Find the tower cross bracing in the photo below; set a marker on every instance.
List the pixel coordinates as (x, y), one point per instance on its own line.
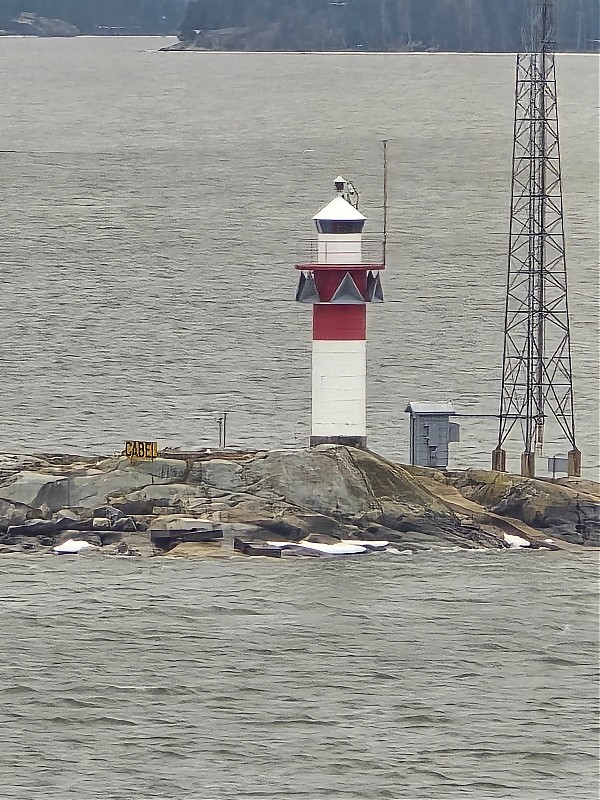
(537, 382)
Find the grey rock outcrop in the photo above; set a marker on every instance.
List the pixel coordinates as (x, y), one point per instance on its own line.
(324, 493)
(30, 24)
(84, 486)
(569, 510)
(12, 514)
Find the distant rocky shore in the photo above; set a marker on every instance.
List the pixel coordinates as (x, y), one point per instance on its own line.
(29, 24)
(324, 494)
(271, 38)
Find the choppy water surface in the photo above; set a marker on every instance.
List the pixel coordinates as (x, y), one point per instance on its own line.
(153, 207)
(435, 676)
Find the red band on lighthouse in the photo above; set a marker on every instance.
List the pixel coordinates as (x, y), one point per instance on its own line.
(339, 323)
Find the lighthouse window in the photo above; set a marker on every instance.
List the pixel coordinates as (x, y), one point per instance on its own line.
(340, 226)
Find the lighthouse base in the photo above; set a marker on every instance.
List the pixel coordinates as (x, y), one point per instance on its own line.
(348, 441)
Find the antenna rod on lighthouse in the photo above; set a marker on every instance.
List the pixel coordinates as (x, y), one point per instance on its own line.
(385, 196)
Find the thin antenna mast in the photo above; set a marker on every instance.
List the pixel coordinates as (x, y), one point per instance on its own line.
(385, 196)
(537, 382)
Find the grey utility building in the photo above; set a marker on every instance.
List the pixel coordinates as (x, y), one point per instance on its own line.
(431, 432)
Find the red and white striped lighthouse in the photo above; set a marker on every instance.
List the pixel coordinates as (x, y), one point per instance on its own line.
(339, 284)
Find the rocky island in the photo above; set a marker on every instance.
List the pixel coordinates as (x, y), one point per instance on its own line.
(59, 18)
(30, 24)
(324, 494)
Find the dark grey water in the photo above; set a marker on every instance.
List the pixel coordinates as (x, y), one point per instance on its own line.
(439, 676)
(153, 207)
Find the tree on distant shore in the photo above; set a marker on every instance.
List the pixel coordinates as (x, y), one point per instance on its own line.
(468, 25)
(151, 16)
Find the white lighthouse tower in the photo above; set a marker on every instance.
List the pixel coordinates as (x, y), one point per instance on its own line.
(339, 284)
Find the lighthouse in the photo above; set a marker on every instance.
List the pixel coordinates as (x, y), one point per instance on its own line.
(339, 282)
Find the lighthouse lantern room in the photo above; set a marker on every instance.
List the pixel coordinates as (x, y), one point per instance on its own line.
(339, 284)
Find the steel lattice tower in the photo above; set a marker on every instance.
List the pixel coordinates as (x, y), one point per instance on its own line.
(537, 383)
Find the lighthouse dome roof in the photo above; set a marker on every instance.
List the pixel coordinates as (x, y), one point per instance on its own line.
(339, 210)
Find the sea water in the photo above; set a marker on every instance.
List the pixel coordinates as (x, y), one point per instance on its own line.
(153, 208)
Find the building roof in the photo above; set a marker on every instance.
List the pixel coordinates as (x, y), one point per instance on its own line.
(430, 408)
(339, 210)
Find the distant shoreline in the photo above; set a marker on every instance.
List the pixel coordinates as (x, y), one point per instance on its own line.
(288, 52)
(90, 36)
(366, 52)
